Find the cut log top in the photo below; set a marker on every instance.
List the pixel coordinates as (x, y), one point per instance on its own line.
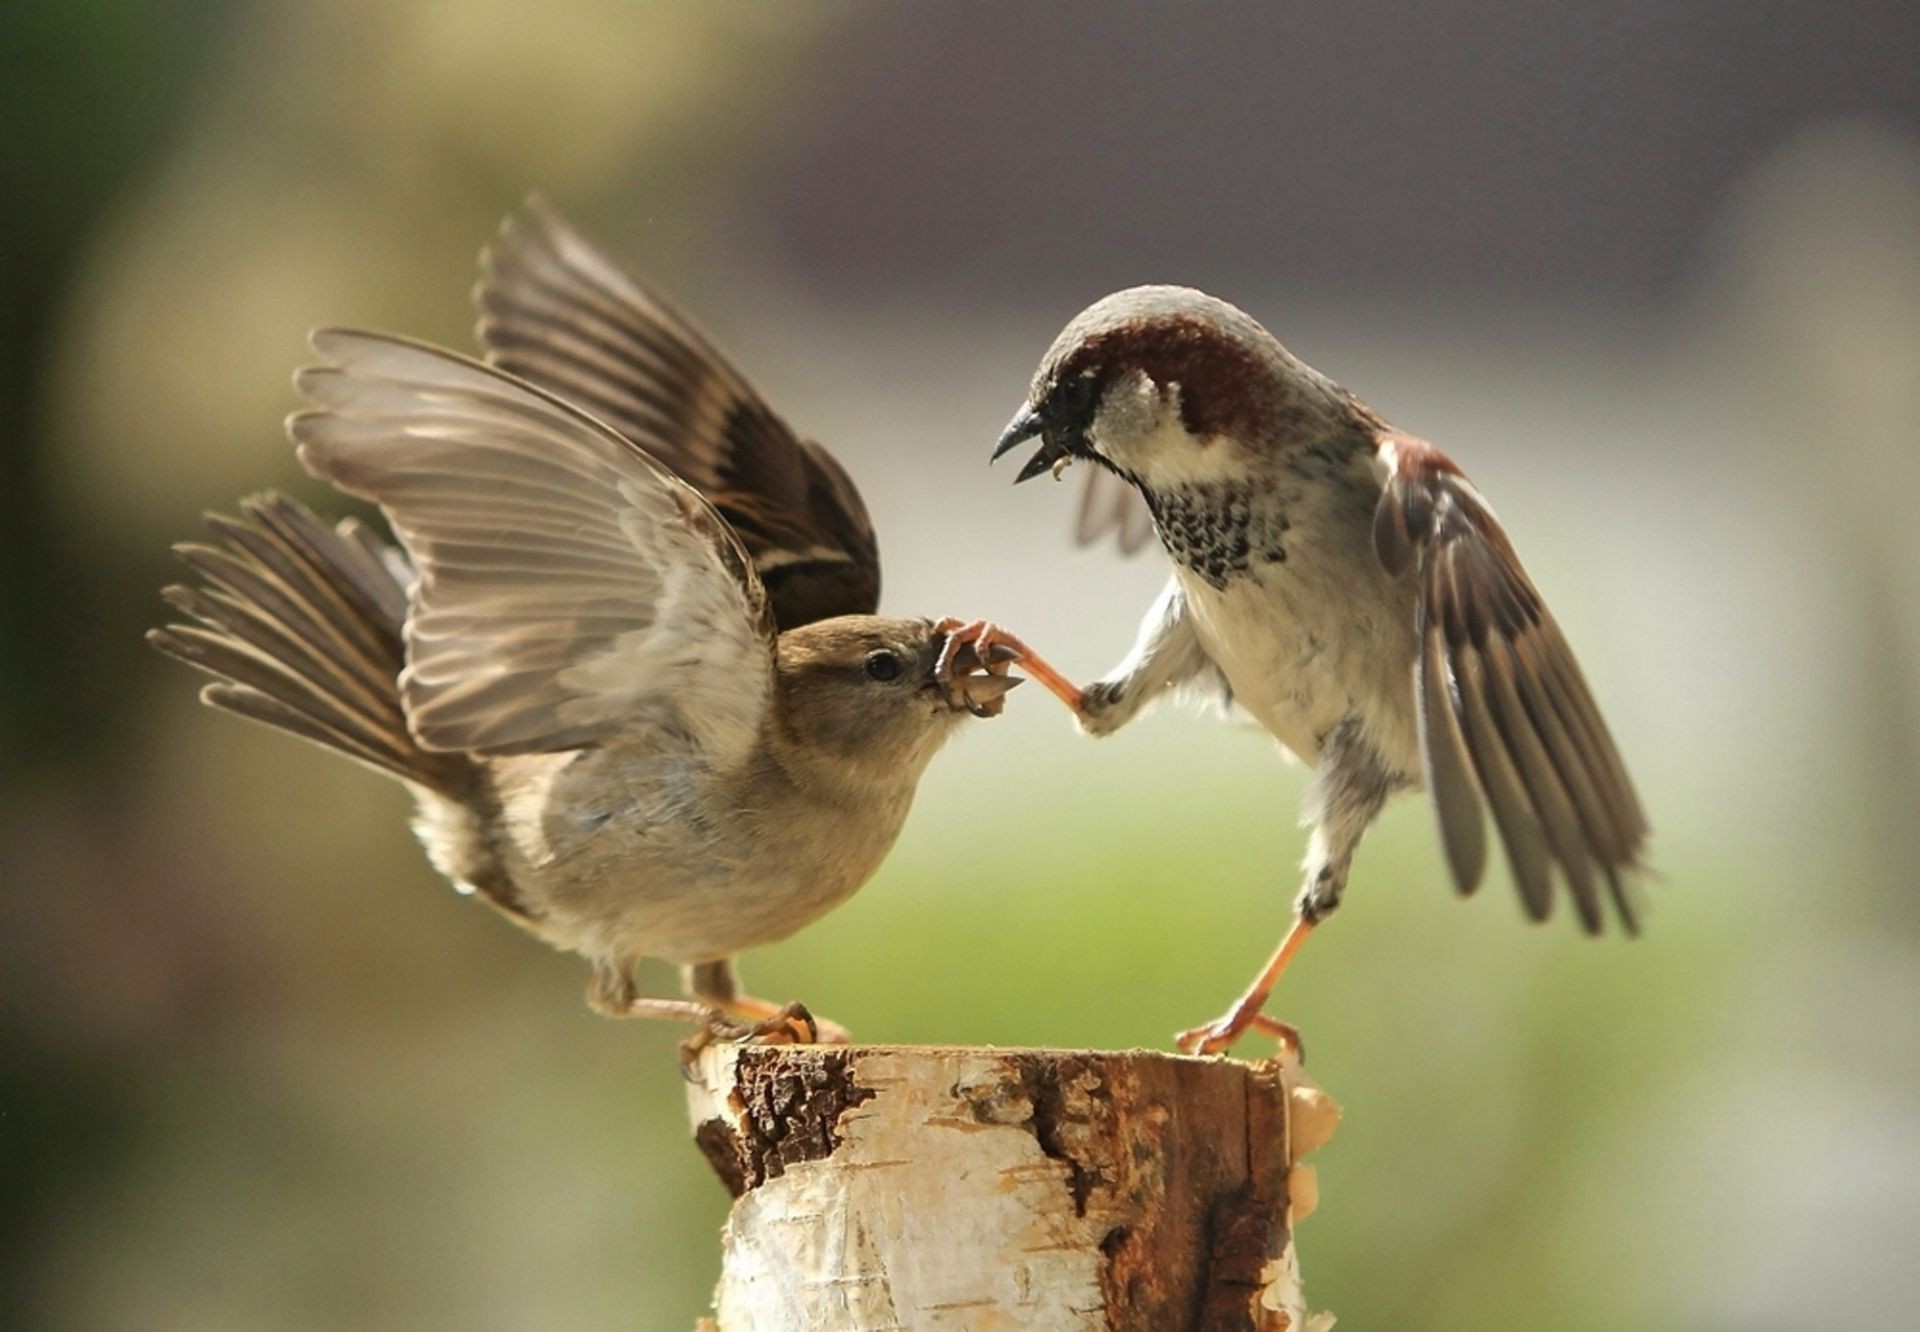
(909, 1187)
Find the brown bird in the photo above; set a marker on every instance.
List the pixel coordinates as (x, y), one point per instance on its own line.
(638, 719)
(1343, 583)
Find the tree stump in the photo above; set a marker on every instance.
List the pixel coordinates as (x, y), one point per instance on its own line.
(901, 1187)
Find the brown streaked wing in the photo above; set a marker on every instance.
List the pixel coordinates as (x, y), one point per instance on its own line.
(559, 312)
(1456, 796)
(569, 587)
(1505, 715)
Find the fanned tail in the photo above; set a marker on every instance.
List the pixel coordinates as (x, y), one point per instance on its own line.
(300, 624)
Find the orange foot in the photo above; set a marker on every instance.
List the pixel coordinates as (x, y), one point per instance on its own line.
(991, 645)
(752, 1021)
(1213, 1037)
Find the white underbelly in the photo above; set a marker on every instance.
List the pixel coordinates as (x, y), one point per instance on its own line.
(1306, 649)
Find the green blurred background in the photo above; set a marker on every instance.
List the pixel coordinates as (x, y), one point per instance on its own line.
(1651, 271)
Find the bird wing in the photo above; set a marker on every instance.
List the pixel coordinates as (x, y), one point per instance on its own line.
(1109, 503)
(569, 586)
(559, 312)
(1504, 711)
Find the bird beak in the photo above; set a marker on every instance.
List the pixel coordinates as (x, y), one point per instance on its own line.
(1026, 424)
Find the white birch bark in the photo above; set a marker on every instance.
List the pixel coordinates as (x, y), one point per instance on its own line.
(881, 1187)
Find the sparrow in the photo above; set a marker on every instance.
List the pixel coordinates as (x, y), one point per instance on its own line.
(1342, 582)
(625, 655)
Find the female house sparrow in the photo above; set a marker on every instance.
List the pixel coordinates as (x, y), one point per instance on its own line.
(633, 720)
(1343, 583)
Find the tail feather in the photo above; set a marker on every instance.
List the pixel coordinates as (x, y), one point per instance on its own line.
(314, 577)
(247, 701)
(381, 571)
(253, 641)
(301, 625)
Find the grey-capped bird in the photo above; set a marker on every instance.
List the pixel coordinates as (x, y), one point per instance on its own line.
(1343, 583)
(626, 659)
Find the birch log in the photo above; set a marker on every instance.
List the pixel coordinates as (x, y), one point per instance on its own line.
(899, 1187)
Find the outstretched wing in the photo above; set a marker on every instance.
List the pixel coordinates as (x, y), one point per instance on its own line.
(569, 586)
(1108, 503)
(559, 312)
(1504, 711)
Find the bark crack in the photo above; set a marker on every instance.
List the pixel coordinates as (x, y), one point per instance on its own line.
(1247, 1227)
(1059, 1116)
(789, 1112)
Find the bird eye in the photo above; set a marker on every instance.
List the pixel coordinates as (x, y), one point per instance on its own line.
(883, 665)
(1078, 391)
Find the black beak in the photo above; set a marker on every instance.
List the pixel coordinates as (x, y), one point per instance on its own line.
(1026, 424)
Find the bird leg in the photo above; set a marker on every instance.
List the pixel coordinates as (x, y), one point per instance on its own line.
(993, 645)
(1223, 1031)
(1350, 785)
(612, 993)
(1165, 653)
(718, 1009)
(759, 1021)
(667, 1010)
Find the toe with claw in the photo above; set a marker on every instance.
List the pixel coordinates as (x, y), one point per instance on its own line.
(1217, 1036)
(789, 1024)
(983, 643)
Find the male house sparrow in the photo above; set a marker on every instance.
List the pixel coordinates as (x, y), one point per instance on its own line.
(1342, 582)
(639, 720)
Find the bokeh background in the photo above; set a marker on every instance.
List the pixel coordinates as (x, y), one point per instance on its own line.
(1651, 270)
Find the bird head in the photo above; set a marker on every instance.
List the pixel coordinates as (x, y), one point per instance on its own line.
(871, 690)
(1167, 386)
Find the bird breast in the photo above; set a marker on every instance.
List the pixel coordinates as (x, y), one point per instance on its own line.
(649, 853)
(1306, 626)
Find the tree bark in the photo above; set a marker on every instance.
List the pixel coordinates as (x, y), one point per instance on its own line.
(899, 1187)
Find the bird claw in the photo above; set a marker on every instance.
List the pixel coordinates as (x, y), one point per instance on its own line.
(1217, 1036)
(1209, 1038)
(790, 1024)
(976, 644)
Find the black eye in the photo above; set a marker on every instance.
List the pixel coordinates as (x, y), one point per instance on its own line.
(883, 665)
(1077, 393)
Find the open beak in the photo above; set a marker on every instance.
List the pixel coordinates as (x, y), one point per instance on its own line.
(1026, 425)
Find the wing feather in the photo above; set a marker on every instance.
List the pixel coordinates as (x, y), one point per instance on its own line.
(1456, 796)
(1505, 715)
(559, 312)
(568, 586)
(1551, 804)
(1513, 815)
(1108, 504)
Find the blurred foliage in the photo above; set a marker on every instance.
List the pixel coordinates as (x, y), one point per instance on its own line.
(259, 1068)
(89, 95)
